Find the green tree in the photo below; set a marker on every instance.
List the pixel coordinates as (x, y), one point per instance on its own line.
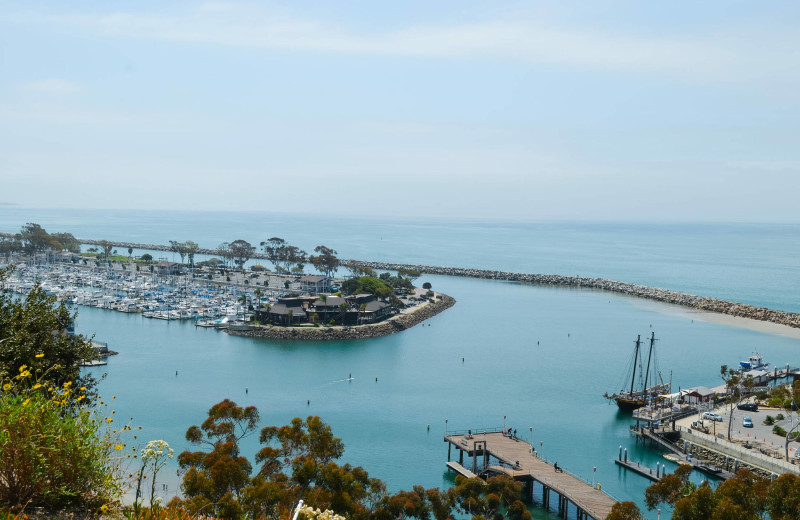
(737, 387)
(106, 246)
(783, 498)
(745, 496)
(274, 248)
(787, 398)
(34, 239)
(37, 325)
(214, 479)
(325, 261)
(498, 497)
(427, 286)
(625, 511)
(670, 488)
(147, 258)
(409, 274)
(241, 252)
(68, 242)
(191, 249)
(225, 251)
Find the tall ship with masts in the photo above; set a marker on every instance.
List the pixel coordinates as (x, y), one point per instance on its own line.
(639, 394)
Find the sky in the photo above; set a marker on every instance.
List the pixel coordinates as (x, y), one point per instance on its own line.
(586, 110)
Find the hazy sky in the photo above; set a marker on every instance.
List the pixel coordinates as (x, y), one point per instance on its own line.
(526, 109)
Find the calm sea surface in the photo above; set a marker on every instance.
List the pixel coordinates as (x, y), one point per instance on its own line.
(539, 357)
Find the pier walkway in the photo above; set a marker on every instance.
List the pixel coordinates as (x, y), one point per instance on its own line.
(518, 460)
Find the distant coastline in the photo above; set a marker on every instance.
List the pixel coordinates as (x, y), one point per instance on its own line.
(702, 303)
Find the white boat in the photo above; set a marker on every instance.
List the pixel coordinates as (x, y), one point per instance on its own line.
(754, 363)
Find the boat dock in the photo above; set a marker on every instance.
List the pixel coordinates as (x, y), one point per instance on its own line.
(658, 437)
(517, 459)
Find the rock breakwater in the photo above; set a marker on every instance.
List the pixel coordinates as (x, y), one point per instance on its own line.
(395, 324)
(692, 301)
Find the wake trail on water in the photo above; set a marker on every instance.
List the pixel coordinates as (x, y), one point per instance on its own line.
(346, 380)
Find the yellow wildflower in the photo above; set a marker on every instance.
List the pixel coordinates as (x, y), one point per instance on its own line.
(104, 508)
(39, 355)
(26, 402)
(37, 385)
(67, 384)
(23, 367)
(118, 447)
(7, 387)
(26, 373)
(109, 419)
(83, 389)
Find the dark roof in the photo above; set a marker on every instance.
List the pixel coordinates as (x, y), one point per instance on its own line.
(375, 306)
(283, 310)
(292, 302)
(330, 301)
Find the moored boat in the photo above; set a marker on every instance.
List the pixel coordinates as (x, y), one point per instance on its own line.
(639, 395)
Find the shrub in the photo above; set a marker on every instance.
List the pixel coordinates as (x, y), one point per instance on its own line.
(55, 451)
(429, 294)
(769, 421)
(777, 430)
(779, 417)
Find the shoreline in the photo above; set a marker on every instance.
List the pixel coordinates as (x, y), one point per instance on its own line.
(712, 308)
(392, 325)
(708, 309)
(767, 327)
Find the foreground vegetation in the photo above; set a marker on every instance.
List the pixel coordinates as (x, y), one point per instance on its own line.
(57, 447)
(744, 497)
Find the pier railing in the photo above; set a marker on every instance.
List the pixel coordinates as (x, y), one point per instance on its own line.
(473, 431)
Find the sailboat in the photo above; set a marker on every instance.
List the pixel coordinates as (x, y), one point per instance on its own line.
(639, 395)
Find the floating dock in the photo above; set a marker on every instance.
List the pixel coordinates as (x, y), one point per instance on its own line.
(517, 459)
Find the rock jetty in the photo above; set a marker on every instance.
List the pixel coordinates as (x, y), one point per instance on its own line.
(692, 301)
(394, 324)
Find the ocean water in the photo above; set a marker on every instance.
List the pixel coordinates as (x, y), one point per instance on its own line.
(536, 359)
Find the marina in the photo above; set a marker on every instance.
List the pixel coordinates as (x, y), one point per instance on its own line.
(580, 335)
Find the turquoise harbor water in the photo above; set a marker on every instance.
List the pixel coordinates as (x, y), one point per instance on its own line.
(541, 357)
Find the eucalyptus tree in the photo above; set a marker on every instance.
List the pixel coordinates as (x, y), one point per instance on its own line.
(274, 248)
(224, 250)
(737, 387)
(241, 252)
(34, 238)
(326, 261)
(68, 242)
(191, 249)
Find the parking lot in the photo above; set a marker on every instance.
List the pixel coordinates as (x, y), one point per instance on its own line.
(759, 437)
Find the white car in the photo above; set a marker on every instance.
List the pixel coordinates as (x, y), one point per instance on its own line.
(711, 416)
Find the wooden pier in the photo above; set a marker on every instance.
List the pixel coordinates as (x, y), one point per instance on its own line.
(517, 460)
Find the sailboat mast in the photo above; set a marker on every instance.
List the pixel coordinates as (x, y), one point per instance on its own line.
(649, 357)
(635, 360)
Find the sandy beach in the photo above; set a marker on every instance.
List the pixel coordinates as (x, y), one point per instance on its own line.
(717, 317)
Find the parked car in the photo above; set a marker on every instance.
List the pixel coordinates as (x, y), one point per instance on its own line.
(747, 422)
(750, 407)
(711, 416)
